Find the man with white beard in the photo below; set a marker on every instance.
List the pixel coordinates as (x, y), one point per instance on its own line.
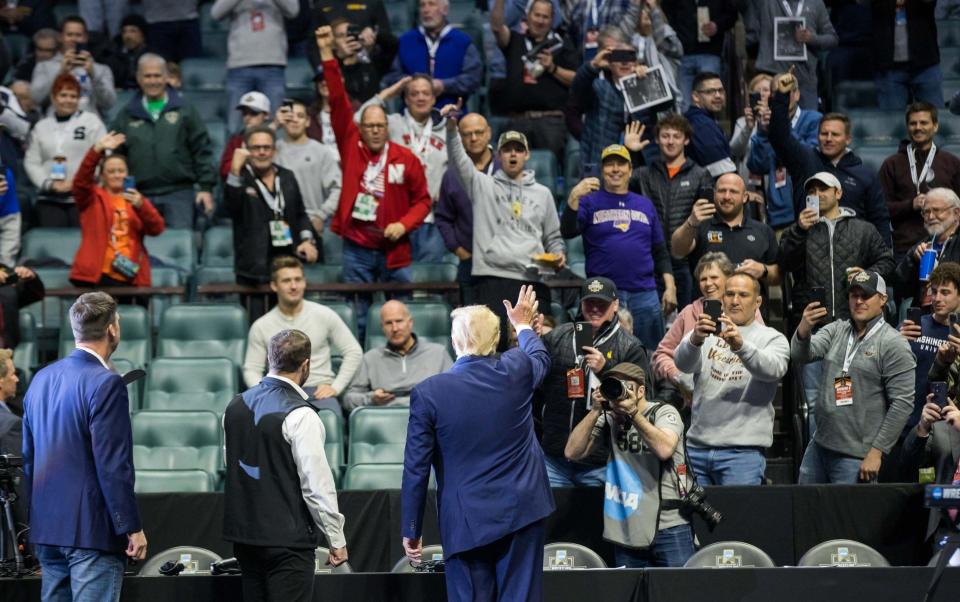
(941, 216)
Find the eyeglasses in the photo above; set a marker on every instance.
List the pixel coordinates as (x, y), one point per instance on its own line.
(373, 126)
(260, 148)
(710, 91)
(934, 211)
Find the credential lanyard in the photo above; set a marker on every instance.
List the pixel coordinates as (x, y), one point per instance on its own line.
(420, 142)
(790, 13)
(372, 172)
(853, 347)
(274, 201)
(920, 178)
(433, 45)
(592, 381)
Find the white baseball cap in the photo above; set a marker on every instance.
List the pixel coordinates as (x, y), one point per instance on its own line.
(255, 101)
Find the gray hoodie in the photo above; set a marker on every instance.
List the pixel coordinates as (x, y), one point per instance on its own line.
(512, 220)
(383, 368)
(883, 378)
(733, 390)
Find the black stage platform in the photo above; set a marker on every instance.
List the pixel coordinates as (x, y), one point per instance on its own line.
(903, 584)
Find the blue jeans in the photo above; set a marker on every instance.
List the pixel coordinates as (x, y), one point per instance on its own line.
(176, 40)
(821, 465)
(177, 208)
(428, 246)
(896, 87)
(672, 547)
(690, 66)
(361, 264)
(98, 13)
(727, 465)
(647, 317)
(812, 376)
(268, 79)
(80, 575)
(564, 473)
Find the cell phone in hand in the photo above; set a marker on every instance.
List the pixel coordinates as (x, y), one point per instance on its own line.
(705, 192)
(81, 47)
(914, 314)
(939, 390)
(954, 319)
(713, 308)
(354, 31)
(622, 55)
(591, 170)
(129, 183)
(754, 100)
(582, 336)
(813, 204)
(819, 294)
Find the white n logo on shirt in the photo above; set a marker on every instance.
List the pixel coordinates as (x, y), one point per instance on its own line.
(395, 174)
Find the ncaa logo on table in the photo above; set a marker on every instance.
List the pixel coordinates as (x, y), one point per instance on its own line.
(395, 174)
(622, 491)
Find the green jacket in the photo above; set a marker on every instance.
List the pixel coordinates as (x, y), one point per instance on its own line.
(169, 154)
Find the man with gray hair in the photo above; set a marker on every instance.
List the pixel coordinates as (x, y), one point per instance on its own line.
(941, 220)
(276, 466)
(474, 425)
(78, 462)
(167, 148)
(97, 93)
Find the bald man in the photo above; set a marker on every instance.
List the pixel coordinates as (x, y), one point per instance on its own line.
(389, 373)
(723, 225)
(454, 212)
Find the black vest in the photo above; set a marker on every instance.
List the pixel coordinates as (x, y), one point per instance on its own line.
(263, 504)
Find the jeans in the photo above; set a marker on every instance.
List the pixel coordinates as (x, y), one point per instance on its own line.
(177, 207)
(268, 79)
(898, 87)
(727, 465)
(690, 66)
(361, 264)
(821, 465)
(428, 246)
(647, 317)
(176, 40)
(79, 574)
(672, 547)
(812, 376)
(468, 295)
(98, 13)
(564, 473)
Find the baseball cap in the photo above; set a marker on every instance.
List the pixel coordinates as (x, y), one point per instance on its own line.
(615, 150)
(512, 136)
(255, 101)
(824, 177)
(870, 283)
(598, 288)
(629, 371)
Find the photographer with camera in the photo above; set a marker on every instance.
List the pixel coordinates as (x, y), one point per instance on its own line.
(646, 476)
(737, 364)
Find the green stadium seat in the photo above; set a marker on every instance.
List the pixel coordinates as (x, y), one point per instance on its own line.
(377, 435)
(545, 168)
(322, 272)
(177, 441)
(218, 247)
(560, 314)
(214, 44)
(431, 322)
(948, 33)
(211, 104)
(465, 15)
(854, 95)
(401, 16)
(123, 99)
(208, 23)
(203, 330)
(175, 248)
(203, 74)
(346, 312)
(877, 128)
(217, 130)
(579, 268)
(950, 62)
(575, 249)
(299, 75)
(367, 477)
(172, 481)
(874, 156)
(333, 443)
(161, 276)
(133, 389)
(207, 383)
(59, 244)
(17, 45)
(433, 272)
(26, 356)
(217, 275)
(332, 248)
(135, 341)
(47, 312)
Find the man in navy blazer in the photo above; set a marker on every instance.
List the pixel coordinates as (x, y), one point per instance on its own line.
(78, 463)
(474, 425)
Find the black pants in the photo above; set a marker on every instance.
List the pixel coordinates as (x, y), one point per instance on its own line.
(491, 291)
(57, 215)
(275, 574)
(548, 133)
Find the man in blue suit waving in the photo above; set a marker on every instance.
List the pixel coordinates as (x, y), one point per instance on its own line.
(78, 462)
(474, 425)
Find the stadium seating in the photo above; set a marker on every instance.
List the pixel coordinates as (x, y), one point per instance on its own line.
(322, 272)
(203, 330)
(377, 435)
(163, 277)
(431, 322)
(544, 165)
(373, 476)
(177, 441)
(334, 442)
(135, 341)
(133, 389)
(346, 312)
(874, 156)
(211, 104)
(202, 74)
(218, 247)
(50, 245)
(207, 383)
(214, 45)
(48, 312)
(299, 76)
(26, 356)
(332, 248)
(877, 128)
(174, 248)
(172, 481)
(433, 272)
(575, 250)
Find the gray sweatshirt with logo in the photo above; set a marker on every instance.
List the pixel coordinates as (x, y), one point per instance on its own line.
(384, 368)
(883, 377)
(733, 390)
(513, 220)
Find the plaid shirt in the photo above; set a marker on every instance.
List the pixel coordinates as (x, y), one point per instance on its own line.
(578, 16)
(602, 106)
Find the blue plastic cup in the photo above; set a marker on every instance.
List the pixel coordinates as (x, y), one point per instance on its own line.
(927, 263)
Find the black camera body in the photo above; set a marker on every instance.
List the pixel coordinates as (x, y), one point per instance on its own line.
(10, 461)
(695, 502)
(430, 566)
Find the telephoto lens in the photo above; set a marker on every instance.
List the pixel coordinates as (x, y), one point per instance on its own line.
(612, 389)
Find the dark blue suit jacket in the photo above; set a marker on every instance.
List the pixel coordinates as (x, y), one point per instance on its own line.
(78, 456)
(474, 425)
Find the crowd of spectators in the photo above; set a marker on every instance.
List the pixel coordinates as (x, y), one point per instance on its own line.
(723, 208)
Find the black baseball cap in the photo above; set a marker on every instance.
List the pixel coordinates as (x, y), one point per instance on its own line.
(598, 288)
